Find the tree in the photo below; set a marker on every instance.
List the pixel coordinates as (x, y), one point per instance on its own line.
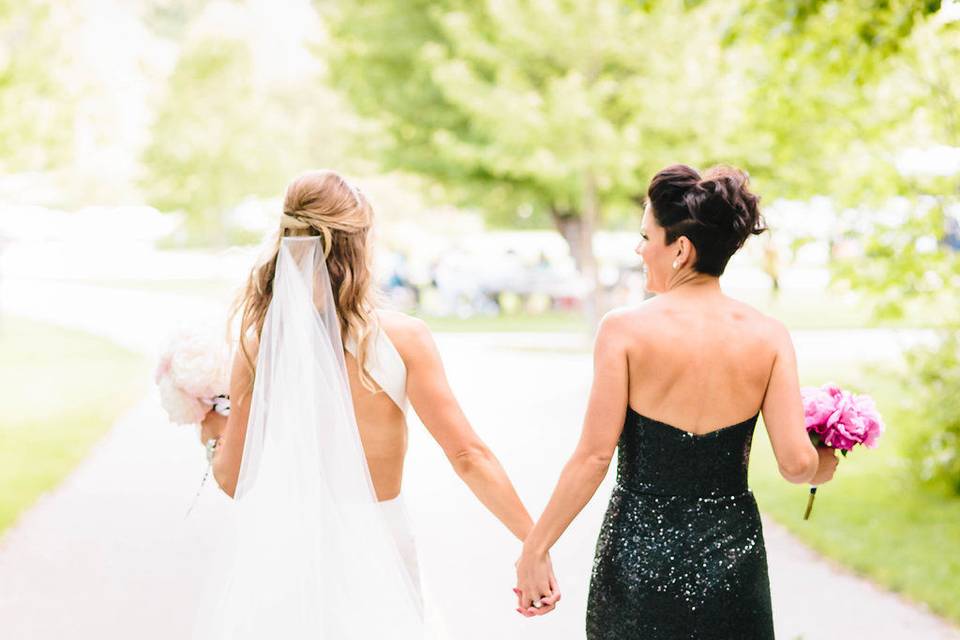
(566, 107)
(37, 92)
(908, 257)
(911, 260)
(171, 19)
(820, 112)
(222, 133)
(207, 143)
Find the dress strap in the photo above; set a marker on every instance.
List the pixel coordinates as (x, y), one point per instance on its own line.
(385, 366)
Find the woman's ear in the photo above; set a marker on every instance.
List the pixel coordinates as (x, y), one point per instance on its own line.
(684, 247)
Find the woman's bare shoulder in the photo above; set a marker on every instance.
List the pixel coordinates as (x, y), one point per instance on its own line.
(767, 327)
(626, 325)
(408, 334)
(633, 317)
(627, 313)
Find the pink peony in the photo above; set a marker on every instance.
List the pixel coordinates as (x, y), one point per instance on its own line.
(840, 419)
(819, 403)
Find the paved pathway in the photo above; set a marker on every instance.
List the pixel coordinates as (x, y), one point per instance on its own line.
(109, 554)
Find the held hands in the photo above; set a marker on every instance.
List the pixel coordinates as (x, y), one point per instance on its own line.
(537, 590)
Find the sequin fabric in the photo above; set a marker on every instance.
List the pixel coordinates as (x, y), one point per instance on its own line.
(681, 553)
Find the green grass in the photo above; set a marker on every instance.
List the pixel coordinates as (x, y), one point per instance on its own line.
(62, 390)
(875, 517)
(832, 309)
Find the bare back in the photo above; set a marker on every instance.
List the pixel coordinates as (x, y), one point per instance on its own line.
(699, 363)
(383, 433)
(382, 423)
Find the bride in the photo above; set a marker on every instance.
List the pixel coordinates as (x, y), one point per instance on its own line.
(313, 450)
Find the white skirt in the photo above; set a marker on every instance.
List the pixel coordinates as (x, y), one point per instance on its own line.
(395, 514)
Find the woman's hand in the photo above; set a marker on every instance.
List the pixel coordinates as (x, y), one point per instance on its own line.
(536, 584)
(826, 466)
(212, 426)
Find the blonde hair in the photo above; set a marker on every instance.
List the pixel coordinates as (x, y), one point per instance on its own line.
(321, 203)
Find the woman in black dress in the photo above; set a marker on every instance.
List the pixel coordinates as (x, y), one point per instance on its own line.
(679, 383)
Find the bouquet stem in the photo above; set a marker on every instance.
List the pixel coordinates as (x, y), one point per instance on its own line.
(813, 495)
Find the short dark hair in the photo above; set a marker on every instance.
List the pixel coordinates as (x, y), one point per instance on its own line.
(716, 211)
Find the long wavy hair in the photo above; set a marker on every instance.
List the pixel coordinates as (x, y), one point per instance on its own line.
(320, 203)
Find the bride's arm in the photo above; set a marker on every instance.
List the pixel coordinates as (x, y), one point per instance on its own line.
(588, 465)
(438, 409)
(229, 451)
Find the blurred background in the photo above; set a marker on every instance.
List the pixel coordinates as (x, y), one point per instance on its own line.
(144, 149)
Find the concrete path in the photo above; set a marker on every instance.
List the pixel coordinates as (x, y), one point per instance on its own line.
(109, 554)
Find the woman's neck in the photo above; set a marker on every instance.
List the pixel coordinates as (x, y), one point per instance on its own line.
(691, 281)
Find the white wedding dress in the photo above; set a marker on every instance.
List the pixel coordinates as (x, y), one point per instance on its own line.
(315, 554)
(386, 367)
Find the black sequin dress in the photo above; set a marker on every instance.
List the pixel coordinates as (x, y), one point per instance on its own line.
(681, 554)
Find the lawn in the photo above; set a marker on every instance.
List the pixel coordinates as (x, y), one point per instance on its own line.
(875, 518)
(62, 390)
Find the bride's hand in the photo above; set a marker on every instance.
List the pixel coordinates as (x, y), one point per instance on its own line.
(212, 426)
(536, 583)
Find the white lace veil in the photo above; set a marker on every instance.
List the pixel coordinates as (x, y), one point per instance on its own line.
(314, 556)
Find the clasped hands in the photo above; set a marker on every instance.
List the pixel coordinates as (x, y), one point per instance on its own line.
(537, 590)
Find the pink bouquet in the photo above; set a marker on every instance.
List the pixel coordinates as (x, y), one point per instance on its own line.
(193, 376)
(840, 420)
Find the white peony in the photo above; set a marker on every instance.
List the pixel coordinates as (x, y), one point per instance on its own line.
(199, 365)
(181, 407)
(192, 371)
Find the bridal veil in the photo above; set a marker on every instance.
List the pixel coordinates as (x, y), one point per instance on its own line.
(314, 557)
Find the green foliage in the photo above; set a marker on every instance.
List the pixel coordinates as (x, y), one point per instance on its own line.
(222, 134)
(935, 377)
(906, 257)
(821, 107)
(37, 90)
(171, 18)
(205, 150)
(561, 106)
(543, 103)
(846, 37)
(907, 264)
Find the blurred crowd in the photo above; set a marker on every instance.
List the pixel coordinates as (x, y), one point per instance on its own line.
(463, 284)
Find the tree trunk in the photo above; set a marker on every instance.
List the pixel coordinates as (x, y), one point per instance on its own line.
(577, 228)
(591, 213)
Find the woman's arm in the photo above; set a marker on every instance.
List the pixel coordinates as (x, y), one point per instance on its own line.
(229, 451)
(783, 416)
(438, 409)
(587, 467)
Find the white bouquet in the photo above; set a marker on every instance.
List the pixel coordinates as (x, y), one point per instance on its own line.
(193, 376)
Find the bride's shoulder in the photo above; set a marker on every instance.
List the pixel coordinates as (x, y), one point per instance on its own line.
(407, 333)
